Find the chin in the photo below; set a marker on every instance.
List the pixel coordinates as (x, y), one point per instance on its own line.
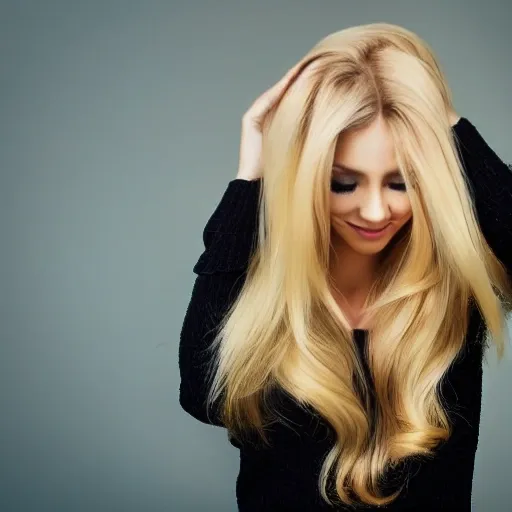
(368, 247)
(369, 250)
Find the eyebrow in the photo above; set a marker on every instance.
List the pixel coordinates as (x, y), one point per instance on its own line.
(358, 172)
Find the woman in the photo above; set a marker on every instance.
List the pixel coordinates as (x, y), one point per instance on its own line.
(351, 273)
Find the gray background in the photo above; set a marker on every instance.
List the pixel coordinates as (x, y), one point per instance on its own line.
(120, 128)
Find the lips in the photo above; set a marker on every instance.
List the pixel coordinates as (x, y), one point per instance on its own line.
(368, 229)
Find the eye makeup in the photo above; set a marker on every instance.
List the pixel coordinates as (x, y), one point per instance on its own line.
(344, 180)
(342, 188)
(345, 188)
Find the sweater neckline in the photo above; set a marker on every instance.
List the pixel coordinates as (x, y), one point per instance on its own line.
(359, 333)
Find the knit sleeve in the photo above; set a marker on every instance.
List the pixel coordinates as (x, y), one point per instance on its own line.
(229, 238)
(230, 233)
(490, 181)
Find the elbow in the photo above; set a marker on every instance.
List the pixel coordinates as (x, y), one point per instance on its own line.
(196, 408)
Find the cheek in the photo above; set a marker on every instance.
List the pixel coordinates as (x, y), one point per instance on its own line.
(341, 205)
(402, 209)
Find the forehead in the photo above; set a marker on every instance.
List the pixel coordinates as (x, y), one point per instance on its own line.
(370, 149)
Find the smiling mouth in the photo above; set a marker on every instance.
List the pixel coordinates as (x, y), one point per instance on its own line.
(367, 229)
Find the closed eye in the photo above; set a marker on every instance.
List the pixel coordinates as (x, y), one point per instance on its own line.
(345, 188)
(342, 188)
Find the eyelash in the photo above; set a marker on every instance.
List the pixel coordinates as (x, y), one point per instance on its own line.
(341, 188)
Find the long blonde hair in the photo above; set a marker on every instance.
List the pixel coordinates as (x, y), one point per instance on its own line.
(285, 329)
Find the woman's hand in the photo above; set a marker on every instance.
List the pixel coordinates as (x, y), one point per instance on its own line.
(250, 166)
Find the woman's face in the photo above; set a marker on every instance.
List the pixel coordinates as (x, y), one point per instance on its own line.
(367, 190)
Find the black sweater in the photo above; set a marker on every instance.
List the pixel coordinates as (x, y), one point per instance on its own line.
(284, 478)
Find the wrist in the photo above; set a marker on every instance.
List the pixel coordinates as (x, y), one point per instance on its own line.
(453, 117)
(247, 176)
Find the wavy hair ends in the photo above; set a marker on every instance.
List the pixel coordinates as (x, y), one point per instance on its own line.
(285, 331)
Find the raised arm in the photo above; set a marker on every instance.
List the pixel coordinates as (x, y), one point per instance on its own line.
(229, 238)
(491, 184)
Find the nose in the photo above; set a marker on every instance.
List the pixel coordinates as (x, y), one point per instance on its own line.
(374, 209)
